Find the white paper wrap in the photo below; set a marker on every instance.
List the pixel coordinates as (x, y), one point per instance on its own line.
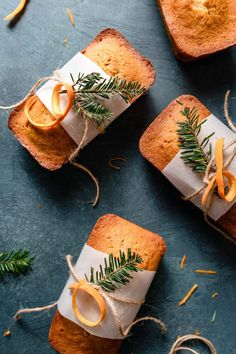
(136, 290)
(72, 123)
(188, 182)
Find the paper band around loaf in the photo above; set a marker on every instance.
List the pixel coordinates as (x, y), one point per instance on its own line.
(73, 123)
(136, 290)
(188, 182)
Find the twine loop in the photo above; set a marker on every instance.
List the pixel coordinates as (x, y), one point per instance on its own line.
(178, 344)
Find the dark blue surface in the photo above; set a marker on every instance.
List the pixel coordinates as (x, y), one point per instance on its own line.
(33, 48)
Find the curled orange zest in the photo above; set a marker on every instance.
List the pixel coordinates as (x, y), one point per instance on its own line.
(17, 10)
(83, 286)
(56, 110)
(27, 108)
(218, 179)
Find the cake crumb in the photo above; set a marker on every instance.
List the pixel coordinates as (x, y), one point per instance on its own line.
(7, 333)
(66, 42)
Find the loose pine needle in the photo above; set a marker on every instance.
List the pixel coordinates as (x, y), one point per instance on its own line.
(188, 295)
(16, 12)
(6, 333)
(215, 294)
(71, 16)
(116, 159)
(213, 317)
(182, 263)
(203, 271)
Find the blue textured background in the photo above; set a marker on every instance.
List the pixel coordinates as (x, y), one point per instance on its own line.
(32, 48)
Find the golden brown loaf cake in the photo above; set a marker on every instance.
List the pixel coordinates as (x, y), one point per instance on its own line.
(159, 145)
(115, 55)
(198, 28)
(110, 234)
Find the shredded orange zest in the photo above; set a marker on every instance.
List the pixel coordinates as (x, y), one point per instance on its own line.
(17, 10)
(182, 263)
(83, 286)
(56, 110)
(202, 271)
(71, 16)
(188, 295)
(218, 179)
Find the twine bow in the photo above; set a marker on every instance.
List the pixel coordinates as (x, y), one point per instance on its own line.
(215, 185)
(216, 178)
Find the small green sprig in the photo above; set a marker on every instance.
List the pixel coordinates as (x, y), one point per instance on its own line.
(115, 271)
(17, 262)
(91, 90)
(195, 154)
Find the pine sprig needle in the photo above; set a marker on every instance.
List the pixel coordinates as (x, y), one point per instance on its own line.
(194, 154)
(115, 271)
(92, 90)
(17, 262)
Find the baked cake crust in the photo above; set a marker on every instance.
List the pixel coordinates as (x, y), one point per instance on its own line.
(198, 28)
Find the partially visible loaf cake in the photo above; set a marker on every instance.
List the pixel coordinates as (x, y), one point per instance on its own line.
(110, 234)
(159, 144)
(198, 28)
(116, 56)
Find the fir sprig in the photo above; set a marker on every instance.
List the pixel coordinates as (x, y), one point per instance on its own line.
(92, 89)
(16, 262)
(115, 271)
(194, 153)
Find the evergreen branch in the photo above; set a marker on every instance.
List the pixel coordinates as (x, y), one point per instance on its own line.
(195, 154)
(115, 271)
(17, 262)
(90, 90)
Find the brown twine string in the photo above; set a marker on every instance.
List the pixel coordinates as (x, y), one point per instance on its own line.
(74, 154)
(82, 167)
(177, 346)
(108, 297)
(30, 93)
(34, 309)
(226, 112)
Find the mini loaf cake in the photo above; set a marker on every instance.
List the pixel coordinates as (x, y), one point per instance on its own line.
(110, 234)
(112, 53)
(159, 145)
(198, 28)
